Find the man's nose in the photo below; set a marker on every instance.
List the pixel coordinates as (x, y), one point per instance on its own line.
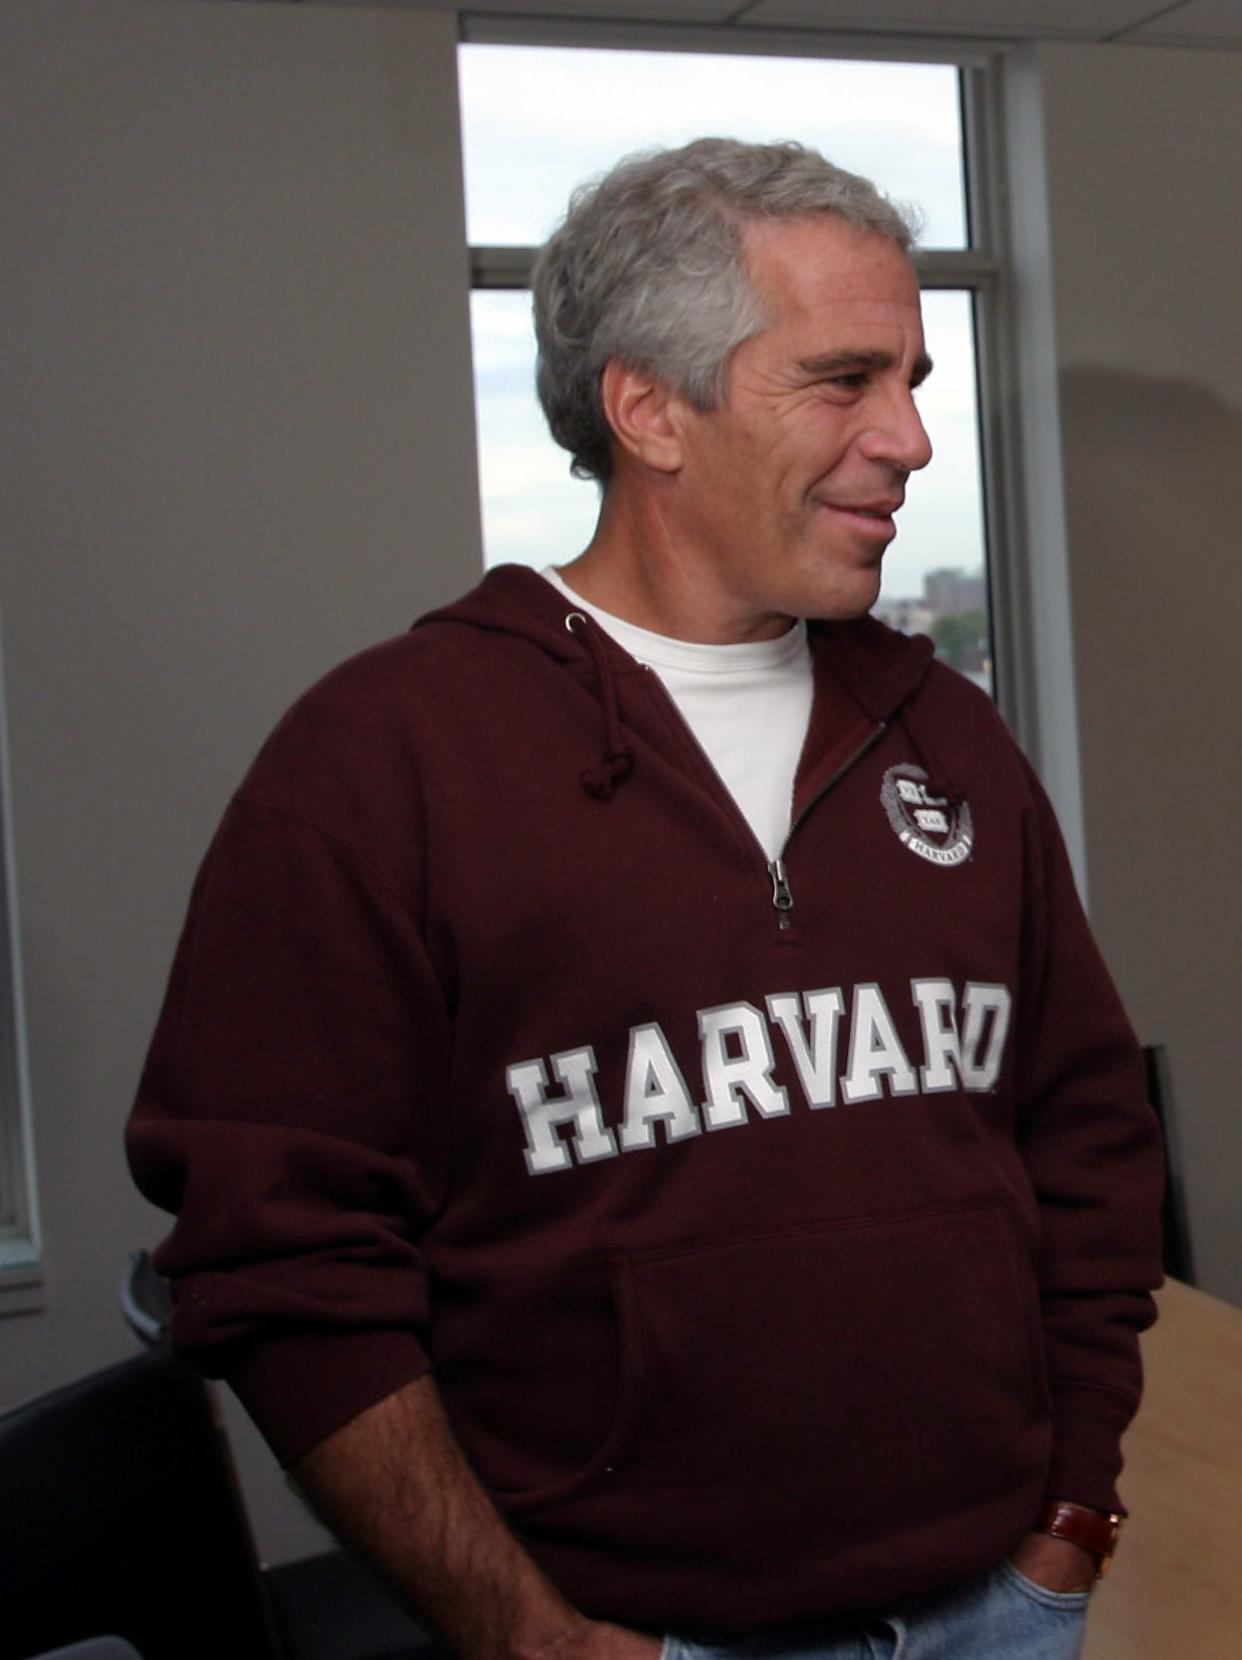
(899, 437)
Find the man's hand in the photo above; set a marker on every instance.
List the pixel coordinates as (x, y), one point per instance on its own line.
(596, 1641)
(1055, 1564)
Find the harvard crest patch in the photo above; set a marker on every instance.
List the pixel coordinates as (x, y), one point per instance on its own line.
(935, 828)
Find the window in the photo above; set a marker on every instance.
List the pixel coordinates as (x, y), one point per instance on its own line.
(538, 119)
(19, 1243)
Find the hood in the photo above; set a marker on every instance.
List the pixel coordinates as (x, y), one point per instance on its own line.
(512, 599)
(879, 668)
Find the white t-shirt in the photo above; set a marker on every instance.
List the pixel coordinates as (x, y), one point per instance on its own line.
(747, 705)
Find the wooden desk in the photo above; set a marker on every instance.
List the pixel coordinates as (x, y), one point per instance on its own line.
(1175, 1590)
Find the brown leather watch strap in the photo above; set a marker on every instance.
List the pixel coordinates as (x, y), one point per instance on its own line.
(1095, 1531)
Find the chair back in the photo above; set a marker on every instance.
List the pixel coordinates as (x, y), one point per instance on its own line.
(119, 1513)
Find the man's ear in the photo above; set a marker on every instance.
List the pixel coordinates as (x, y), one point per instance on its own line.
(643, 414)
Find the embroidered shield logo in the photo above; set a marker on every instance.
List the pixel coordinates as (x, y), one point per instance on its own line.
(938, 830)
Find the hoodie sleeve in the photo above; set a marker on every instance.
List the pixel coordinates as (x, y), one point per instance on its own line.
(1091, 1144)
(292, 1110)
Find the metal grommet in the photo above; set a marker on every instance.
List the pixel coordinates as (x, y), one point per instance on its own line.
(572, 618)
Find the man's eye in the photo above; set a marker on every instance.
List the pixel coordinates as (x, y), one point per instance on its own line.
(849, 383)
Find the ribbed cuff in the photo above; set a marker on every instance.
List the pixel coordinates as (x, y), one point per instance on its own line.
(1088, 1423)
(300, 1385)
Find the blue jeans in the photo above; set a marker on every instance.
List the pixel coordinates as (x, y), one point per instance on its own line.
(1002, 1616)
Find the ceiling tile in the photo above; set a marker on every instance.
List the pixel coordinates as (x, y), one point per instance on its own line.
(644, 11)
(1191, 23)
(1197, 22)
(1053, 19)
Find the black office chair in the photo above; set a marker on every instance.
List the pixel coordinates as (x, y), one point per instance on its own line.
(119, 1514)
(323, 1607)
(94, 1648)
(1174, 1221)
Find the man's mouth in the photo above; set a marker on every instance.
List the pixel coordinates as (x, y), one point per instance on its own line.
(883, 509)
(873, 517)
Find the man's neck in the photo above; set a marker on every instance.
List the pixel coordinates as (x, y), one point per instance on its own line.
(634, 569)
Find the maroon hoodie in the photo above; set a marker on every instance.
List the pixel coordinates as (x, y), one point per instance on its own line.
(779, 1235)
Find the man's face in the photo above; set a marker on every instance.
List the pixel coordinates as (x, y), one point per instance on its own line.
(784, 500)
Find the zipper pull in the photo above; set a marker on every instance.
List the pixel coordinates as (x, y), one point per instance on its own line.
(781, 896)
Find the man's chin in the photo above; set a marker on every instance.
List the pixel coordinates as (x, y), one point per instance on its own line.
(847, 599)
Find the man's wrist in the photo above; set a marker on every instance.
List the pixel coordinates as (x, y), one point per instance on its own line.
(587, 1639)
(1094, 1531)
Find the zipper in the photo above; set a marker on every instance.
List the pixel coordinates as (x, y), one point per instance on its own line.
(782, 894)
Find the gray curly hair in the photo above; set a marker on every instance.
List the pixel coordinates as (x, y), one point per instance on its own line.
(648, 266)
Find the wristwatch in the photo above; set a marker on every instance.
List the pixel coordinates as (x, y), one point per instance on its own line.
(1095, 1531)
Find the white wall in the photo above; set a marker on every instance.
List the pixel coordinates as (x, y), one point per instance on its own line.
(238, 443)
(1141, 151)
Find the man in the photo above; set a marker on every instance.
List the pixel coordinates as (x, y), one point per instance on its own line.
(656, 1148)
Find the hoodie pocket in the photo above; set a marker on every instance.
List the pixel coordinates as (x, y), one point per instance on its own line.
(867, 1368)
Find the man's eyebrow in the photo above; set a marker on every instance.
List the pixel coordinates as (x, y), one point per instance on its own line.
(851, 362)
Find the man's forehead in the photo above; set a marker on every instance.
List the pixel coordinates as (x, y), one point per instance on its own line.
(784, 252)
(839, 296)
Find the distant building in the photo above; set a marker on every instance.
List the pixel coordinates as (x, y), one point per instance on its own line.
(948, 591)
(908, 616)
(953, 610)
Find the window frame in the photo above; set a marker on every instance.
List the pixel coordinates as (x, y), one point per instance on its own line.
(21, 1276)
(983, 269)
